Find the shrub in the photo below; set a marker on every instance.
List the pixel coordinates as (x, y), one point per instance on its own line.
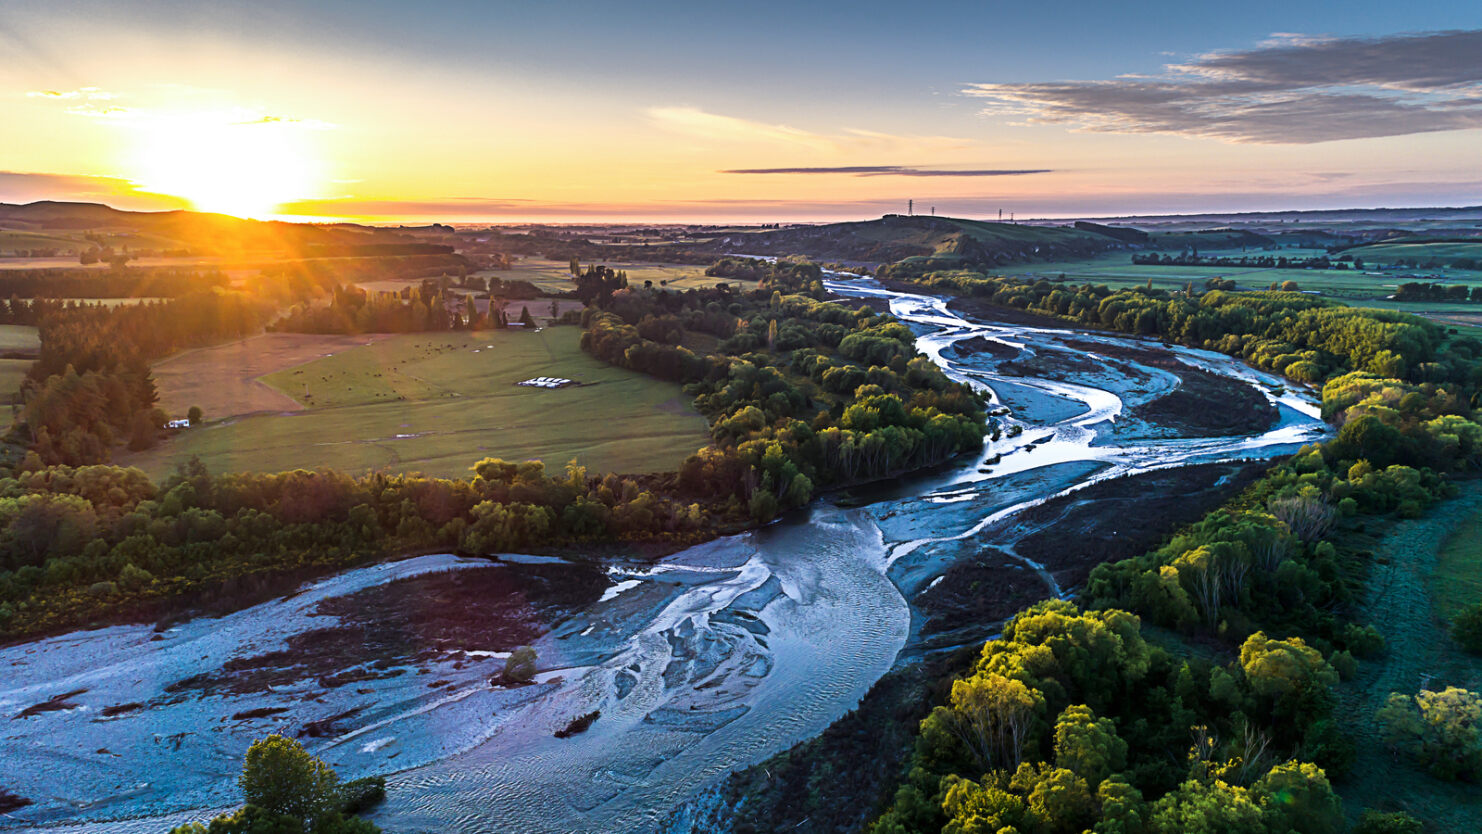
(520, 667)
(1375, 822)
(1467, 628)
(1439, 729)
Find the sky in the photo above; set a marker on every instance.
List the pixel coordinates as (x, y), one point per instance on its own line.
(730, 112)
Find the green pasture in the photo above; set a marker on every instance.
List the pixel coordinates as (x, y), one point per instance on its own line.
(437, 403)
(1417, 574)
(555, 277)
(11, 240)
(19, 337)
(1422, 252)
(12, 372)
(1458, 579)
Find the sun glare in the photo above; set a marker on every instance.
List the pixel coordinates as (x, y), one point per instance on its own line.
(220, 164)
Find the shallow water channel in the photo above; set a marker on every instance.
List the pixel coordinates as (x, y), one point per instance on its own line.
(708, 660)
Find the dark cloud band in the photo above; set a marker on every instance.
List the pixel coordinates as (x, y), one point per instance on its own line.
(892, 171)
(1291, 91)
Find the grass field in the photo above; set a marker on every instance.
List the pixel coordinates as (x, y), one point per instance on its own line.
(1414, 563)
(19, 337)
(223, 380)
(1421, 252)
(12, 372)
(11, 240)
(1458, 579)
(437, 403)
(15, 339)
(555, 276)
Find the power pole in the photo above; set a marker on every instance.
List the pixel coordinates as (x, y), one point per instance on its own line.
(910, 207)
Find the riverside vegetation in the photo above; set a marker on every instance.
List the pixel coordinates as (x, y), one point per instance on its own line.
(1192, 689)
(1194, 692)
(801, 394)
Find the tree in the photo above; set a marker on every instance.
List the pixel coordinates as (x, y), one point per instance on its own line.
(1292, 676)
(991, 715)
(525, 317)
(280, 777)
(1199, 807)
(519, 667)
(1058, 799)
(142, 432)
(1307, 515)
(1087, 745)
(1299, 798)
(988, 807)
(195, 415)
(1122, 808)
(1440, 729)
(1466, 628)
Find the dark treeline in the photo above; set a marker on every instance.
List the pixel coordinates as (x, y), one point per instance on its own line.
(354, 310)
(1417, 291)
(142, 282)
(1078, 720)
(432, 305)
(1439, 263)
(326, 272)
(374, 250)
(1253, 261)
(90, 388)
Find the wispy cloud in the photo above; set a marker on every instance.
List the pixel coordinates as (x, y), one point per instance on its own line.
(82, 93)
(1292, 89)
(176, 102)
(893, 171)
(715, 127)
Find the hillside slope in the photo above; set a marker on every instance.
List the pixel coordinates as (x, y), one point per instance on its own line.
(896, 237)
(70, 226)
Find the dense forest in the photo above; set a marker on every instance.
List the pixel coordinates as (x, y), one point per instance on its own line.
(802, 395)
(1080, 719)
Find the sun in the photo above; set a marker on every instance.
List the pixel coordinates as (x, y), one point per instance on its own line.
(222, 163)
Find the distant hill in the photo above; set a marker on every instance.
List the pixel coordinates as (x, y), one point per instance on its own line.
(74, 225)
(949, 241)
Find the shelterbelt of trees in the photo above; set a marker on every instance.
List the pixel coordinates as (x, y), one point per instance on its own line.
(151, 282)
(1419, 291)
(1247, 261)
(1078, 719)
(431, 305)
(802, 395)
